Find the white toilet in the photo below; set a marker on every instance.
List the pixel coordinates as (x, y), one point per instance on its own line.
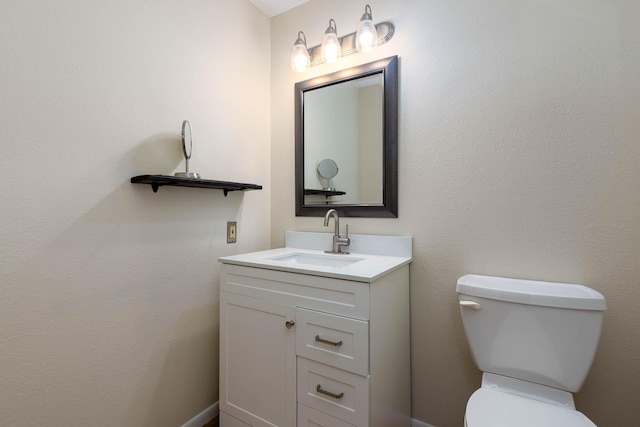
(534, 342)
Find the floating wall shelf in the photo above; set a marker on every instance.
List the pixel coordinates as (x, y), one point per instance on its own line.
(157, 181)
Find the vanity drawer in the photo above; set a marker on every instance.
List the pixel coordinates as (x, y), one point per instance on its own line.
(333, 340)
(308, 417)
(335, 392)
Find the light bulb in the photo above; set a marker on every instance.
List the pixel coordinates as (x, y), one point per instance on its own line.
(331, 49)
(300, 59)
(367, 35)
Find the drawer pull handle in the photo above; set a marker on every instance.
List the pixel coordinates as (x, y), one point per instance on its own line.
(328, 393)
(289, 324)
(323, 341)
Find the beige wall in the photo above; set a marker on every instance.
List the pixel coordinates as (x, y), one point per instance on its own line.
(109, 292)
(519, 156)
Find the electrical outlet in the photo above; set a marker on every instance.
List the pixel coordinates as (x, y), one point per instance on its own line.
(232, 231)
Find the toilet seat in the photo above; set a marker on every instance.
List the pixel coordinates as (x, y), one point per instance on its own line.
(492, 408)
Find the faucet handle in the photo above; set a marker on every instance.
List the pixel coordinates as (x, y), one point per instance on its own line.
(344, 241)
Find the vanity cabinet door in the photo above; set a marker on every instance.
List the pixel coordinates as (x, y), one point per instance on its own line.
(257, 361)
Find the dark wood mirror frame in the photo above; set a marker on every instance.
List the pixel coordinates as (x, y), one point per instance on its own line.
(389, 207)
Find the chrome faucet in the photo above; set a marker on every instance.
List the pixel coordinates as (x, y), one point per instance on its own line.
(338, 241)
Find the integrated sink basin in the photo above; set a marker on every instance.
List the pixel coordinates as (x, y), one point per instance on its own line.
(370, 257)
(317, 259)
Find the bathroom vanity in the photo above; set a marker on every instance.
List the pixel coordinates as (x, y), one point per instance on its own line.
(315, 339)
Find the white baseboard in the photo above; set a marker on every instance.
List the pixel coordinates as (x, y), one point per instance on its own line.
(416, 423)
(212, 411)
(203, 417)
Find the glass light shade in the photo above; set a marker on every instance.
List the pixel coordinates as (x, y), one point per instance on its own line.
(331, 49)
(367, 35)
(300, 59)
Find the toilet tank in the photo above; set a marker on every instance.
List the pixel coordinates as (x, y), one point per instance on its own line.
(542, 332)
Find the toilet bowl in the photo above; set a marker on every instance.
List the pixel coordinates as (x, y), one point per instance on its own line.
(535, 342)
(503, 403)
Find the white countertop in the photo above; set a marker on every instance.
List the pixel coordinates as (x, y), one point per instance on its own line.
(370, 264)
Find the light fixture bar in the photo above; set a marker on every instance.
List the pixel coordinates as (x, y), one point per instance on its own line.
(385, 33)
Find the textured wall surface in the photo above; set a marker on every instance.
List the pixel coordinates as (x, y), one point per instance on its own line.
(109, 292)
(519, 157)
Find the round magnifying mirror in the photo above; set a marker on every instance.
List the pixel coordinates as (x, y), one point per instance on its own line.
(327, 169)
(187, 143)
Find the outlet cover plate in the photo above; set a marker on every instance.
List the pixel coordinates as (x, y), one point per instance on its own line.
(232, 231)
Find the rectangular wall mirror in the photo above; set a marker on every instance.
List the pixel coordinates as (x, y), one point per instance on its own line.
(346, 141)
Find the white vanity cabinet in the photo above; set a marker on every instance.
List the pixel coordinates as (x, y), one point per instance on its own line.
(306, 350)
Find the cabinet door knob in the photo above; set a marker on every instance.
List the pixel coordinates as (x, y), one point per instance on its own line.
(328, 393)
(289, 324)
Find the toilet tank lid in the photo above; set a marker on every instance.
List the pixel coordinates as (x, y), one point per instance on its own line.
(532, 292)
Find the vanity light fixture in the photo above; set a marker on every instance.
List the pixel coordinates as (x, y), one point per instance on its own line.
(333, 47)
(300, 59)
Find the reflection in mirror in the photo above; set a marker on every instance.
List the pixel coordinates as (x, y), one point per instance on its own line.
(347, 121)
(344, 121)
(327, 169)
